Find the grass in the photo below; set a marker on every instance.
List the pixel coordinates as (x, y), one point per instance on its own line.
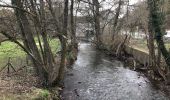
(167, 46)
(35, 94)
(10, 49)
(55, 45)
(40, 94)
(142, 44)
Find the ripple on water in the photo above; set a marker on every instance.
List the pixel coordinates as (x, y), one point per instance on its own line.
(96, 77)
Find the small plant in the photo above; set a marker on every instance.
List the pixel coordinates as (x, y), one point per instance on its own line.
(41, 94)
(45, 93)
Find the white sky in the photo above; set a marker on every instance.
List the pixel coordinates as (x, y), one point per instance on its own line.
(5, 1)
(107, 4)
(131, 1)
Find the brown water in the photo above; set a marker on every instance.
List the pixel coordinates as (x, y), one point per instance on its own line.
(94, 76)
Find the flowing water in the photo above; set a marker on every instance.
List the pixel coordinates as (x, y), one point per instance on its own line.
(94, 76)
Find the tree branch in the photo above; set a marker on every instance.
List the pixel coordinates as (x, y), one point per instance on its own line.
(10, 6)
(13, 39)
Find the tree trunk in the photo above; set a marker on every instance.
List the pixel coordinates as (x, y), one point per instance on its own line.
(116, 18)
(29, 41)
(158, 57)
(151, 46)
(48, 56)
(73, 34)
(97, 22)
(157, 20)
(63, 44)
(74, 44)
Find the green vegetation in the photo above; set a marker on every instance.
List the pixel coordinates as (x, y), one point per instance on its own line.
(10, 49)
(41, 94)
(35, 94)
(55, 45)
(142, 44)
(167, 45)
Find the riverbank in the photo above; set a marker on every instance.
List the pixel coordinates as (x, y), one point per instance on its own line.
(139, 61)
(21, 82)
(24, 86)
(96, 76)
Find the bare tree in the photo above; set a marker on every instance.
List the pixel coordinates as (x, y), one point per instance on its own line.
(32, 20)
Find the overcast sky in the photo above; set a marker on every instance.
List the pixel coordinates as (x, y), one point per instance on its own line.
(131, 1)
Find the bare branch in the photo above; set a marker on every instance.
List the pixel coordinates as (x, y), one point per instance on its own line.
(13, 39)
(10, 6)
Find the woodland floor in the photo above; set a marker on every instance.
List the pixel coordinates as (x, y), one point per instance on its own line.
(19, 86)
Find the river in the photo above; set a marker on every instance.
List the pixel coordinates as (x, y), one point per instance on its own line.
(95, 76)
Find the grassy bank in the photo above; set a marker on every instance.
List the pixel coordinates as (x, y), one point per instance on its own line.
(142, 45)
(23, 85)
(34, 93)
(17, 55)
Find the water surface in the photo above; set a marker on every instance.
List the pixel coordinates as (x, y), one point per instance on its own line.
(94, 76)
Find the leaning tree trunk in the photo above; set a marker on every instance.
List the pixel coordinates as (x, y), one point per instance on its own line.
(29, 41)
